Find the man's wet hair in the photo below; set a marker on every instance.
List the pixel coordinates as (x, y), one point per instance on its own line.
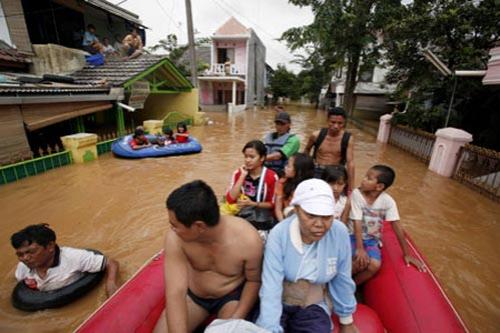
(385, 176)
(194, 201)
(91, 26)
(258, 145)
(36, 233)
(336, 111)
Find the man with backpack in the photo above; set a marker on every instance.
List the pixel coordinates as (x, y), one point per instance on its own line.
(333, 145)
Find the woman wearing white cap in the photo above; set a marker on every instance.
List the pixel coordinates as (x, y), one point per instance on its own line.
(307, 267)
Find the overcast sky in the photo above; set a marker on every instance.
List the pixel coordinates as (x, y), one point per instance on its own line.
(268, 18)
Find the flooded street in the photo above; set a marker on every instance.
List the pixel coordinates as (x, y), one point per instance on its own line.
(118, 207)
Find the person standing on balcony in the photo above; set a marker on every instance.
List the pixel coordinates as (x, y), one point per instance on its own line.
(333, 145)
(227, 66)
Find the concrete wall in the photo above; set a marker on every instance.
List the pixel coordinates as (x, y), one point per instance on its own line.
(56, 59)
(13, 11)
(206, 92)
(231, 108)
(15, 145)
(256, 69)
(157, 106)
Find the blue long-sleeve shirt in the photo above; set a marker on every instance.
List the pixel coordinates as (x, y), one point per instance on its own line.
(283, 258)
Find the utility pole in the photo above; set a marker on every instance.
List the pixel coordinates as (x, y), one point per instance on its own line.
(192, 49)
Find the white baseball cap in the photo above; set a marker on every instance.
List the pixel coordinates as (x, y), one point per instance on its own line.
(315, 197)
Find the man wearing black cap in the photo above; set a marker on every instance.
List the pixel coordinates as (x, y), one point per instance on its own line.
(280, 144)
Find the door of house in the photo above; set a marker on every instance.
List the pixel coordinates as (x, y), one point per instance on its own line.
(224, 54)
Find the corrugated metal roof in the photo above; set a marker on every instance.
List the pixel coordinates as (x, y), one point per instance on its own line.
(116, 10)
(43, 89)
(493, 72)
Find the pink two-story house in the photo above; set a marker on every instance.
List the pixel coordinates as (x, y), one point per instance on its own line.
(236, 77)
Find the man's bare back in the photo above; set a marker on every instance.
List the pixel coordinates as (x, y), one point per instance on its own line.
(212, 262)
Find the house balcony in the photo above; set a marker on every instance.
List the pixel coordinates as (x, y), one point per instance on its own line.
(224, 70)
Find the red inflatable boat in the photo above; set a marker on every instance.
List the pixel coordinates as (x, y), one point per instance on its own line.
(397, 299)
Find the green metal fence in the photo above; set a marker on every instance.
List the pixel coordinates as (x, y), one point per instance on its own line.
(104, 146)
(13, 172)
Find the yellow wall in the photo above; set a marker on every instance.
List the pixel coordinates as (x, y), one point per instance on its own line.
(157, 106)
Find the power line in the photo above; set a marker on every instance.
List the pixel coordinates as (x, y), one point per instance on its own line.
(170, 17)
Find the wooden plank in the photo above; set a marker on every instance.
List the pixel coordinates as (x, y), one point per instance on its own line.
(15, 145)
(41, 115)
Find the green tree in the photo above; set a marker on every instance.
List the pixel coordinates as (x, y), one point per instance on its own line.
(284, 83)
(460, 33)
(176, 52)
(313, 76)
(343, 32)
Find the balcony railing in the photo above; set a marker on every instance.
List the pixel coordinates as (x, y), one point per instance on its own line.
(222, 69)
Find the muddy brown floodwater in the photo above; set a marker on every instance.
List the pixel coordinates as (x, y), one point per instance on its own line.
(118, 206)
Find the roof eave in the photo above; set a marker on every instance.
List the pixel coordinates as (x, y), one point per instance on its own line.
(115, 94)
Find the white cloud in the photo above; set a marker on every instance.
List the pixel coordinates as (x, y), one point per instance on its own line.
(268, 18)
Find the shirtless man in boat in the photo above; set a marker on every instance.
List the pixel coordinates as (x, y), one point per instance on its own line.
(333, 145)
(212, 262)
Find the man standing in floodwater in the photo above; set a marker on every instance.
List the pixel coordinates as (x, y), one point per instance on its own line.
(333, 145)
(212, 262)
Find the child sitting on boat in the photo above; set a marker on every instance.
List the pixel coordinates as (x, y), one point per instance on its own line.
(166, 138)
(336, 177)
(370, 206)
(139, 140)
(299, 167)
(182, 134)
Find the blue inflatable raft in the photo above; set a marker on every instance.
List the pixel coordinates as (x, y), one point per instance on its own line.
(121, 147)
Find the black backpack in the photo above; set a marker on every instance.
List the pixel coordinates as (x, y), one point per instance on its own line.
(343, 144)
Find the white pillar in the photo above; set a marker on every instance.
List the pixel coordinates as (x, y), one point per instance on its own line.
(384, 128)
(234, 92)
(445, 151)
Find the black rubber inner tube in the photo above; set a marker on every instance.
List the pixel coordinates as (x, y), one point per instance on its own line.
(26, 299)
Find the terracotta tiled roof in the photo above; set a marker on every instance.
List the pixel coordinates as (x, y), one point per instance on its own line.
(116, 72)
(231, 27)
